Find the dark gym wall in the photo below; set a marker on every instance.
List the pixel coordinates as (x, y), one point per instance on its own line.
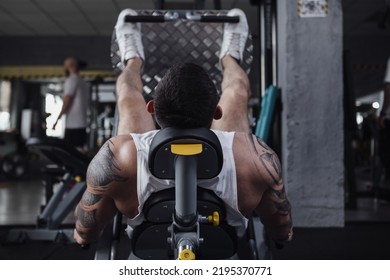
(369, 55)
(51, 50)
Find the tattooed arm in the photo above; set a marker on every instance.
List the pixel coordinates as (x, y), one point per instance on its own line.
(97, 206)
(274, 208)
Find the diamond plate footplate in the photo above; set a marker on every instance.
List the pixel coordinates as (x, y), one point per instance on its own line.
(180, 41)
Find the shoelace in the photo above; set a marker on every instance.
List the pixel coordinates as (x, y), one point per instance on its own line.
(234, 40)
(131, 41)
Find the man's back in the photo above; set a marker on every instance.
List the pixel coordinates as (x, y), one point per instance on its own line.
(257, 169)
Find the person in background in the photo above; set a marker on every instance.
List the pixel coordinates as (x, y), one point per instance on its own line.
(75, 105)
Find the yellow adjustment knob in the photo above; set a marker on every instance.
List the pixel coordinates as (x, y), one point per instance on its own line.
(214, 219)
(186, 255)
(77, 179)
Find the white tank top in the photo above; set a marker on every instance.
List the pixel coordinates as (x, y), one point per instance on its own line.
(224, 185)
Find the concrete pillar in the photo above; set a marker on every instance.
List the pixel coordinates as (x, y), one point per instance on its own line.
(310, 76)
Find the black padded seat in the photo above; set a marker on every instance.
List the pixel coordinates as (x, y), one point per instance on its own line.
(149, 240)
(160, 205)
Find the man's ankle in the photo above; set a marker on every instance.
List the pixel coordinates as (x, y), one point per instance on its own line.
(229, 59)
(133, 62)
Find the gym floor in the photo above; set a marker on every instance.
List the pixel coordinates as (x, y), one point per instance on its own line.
(365, 235)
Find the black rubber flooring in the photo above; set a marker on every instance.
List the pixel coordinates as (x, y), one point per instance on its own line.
(356, 241)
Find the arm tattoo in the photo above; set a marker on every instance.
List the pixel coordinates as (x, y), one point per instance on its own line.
(86, 211)
(90, 199)
(87, 218)
(284, 206)
(104, 168)
(267, 158)
(278, 207)
(279, 193)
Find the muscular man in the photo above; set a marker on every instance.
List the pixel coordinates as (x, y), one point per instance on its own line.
(118, 178)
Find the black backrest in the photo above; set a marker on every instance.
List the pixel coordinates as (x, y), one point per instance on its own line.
(161, 160)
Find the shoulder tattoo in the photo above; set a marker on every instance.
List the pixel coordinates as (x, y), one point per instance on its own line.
(104, 168)
(267, 158)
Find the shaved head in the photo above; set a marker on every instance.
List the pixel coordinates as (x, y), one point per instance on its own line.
(71, 63)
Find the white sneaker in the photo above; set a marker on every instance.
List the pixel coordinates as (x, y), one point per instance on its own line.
(128, 36)
(234, 36)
